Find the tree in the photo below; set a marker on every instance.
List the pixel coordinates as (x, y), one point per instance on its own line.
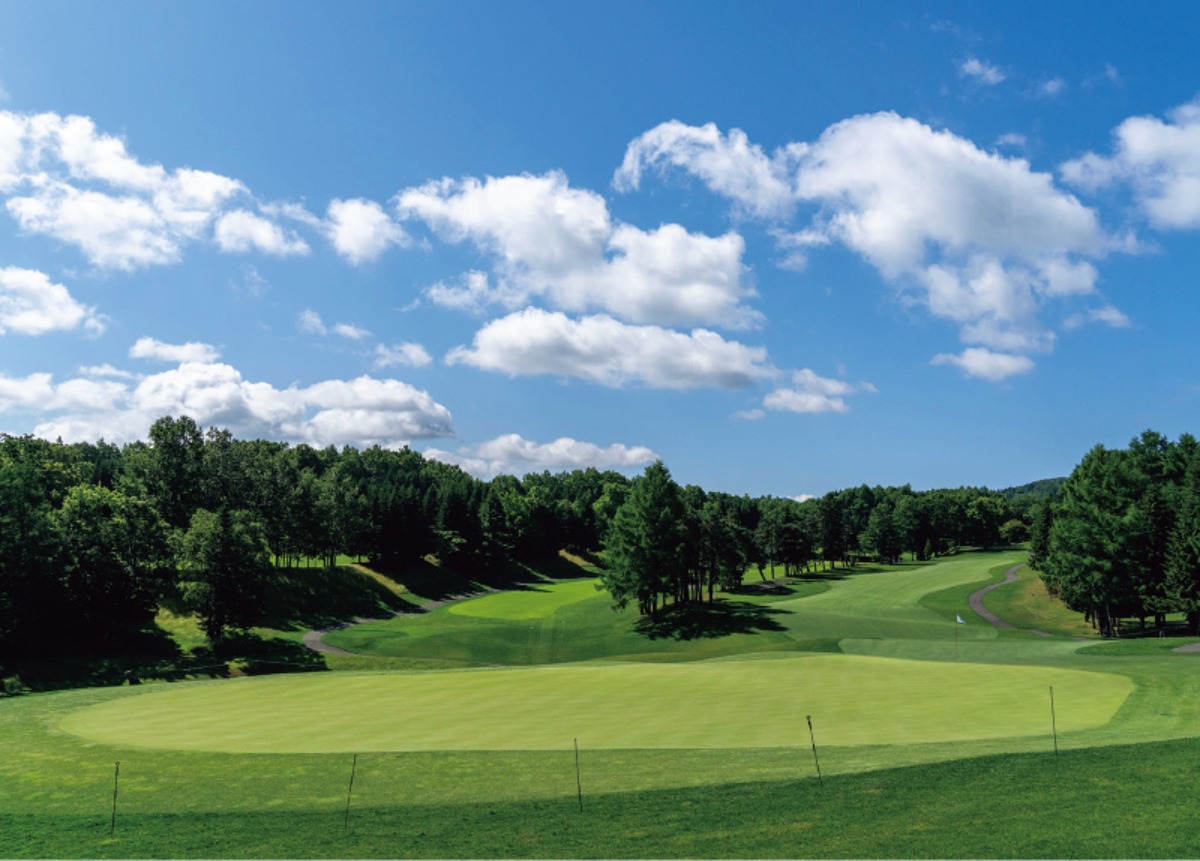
(115, 559)
(644, 541)
(223, 557)
(881, 537)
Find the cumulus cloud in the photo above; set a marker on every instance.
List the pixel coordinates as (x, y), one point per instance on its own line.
(728, 164)
(809, 392)
(241, 231)
(407, 353)
(988, 365)
(560, 244)
(67, 180)
(349, 330)
(32, 304)
(361, 231)
(360, 412)
(512, 454)
(1159, 160)
(602, 350)
(971, 236)
(192, 351)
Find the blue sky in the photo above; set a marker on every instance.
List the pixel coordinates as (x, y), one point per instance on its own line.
(785, 247)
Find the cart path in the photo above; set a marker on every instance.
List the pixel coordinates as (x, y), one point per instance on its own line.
(976, 602)
(314, 639)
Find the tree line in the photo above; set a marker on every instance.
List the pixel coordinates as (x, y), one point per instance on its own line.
(93, 536)
(1123, 538)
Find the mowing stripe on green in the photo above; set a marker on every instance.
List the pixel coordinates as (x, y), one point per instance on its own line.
(721, 704)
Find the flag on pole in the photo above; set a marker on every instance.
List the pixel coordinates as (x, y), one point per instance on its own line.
(959, 619)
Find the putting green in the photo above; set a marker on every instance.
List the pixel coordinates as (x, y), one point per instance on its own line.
(528, 603)
(752, 702)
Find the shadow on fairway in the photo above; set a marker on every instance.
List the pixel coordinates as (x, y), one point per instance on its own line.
(709, 621)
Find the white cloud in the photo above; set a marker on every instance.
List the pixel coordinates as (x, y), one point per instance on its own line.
(33, 390)
(309, 322)
(802, 497)
(1052, 87)
(974, 237)
(812, 393)
(71, 182)
(755, 415)
(32, 304)
(981, 72)
(1108, 315)
(361, 231)
(983, 363)
(105, 370)
(512, 454)
(241, 231)
(192, 351)
(1013, 139)
(407, 353)
(560, 244)
(728, 164)
(1159, 160)
(602, 350)
(360, 412)
(348, 330)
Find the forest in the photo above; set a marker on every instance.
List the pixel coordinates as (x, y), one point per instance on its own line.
(93, 535)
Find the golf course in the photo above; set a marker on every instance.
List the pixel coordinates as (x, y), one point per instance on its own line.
(843, 713)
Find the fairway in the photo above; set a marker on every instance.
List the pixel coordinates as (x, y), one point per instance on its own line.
(717, 704)
(535, 603)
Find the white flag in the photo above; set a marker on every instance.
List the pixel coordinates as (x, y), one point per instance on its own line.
(959, 619)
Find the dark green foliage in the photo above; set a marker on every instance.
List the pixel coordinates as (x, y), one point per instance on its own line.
(223, 559)
(1120, 538)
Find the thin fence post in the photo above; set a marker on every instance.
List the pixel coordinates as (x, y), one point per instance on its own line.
(349, 790)
(816, 761)
(112, 824)
(578, 779)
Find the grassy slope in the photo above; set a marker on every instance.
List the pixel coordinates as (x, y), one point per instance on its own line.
(55, 789)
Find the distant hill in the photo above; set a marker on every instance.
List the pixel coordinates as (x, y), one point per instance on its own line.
(1045, 488)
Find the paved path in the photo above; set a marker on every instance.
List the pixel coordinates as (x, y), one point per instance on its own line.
(976, 602)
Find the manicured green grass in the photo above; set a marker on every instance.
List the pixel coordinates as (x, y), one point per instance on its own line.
(536, 603)
(858, 700)
(692, 733)
(1120, 802)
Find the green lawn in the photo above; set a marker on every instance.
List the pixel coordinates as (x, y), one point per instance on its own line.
(692, 733)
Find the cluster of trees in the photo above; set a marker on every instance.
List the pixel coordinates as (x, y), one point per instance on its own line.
(672, 544)
(93, 536)
(1123, 538)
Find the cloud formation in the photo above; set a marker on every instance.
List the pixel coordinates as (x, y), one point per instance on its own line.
(118, 407)
(1159, 160)
(361, 231)
(558, 244)
(32, 304)
(602, 350)
(809, 392)
(512, 454)
(971, 236)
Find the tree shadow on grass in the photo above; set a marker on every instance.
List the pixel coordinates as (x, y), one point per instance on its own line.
(317, 598)
(257, 655)
(709, 621)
